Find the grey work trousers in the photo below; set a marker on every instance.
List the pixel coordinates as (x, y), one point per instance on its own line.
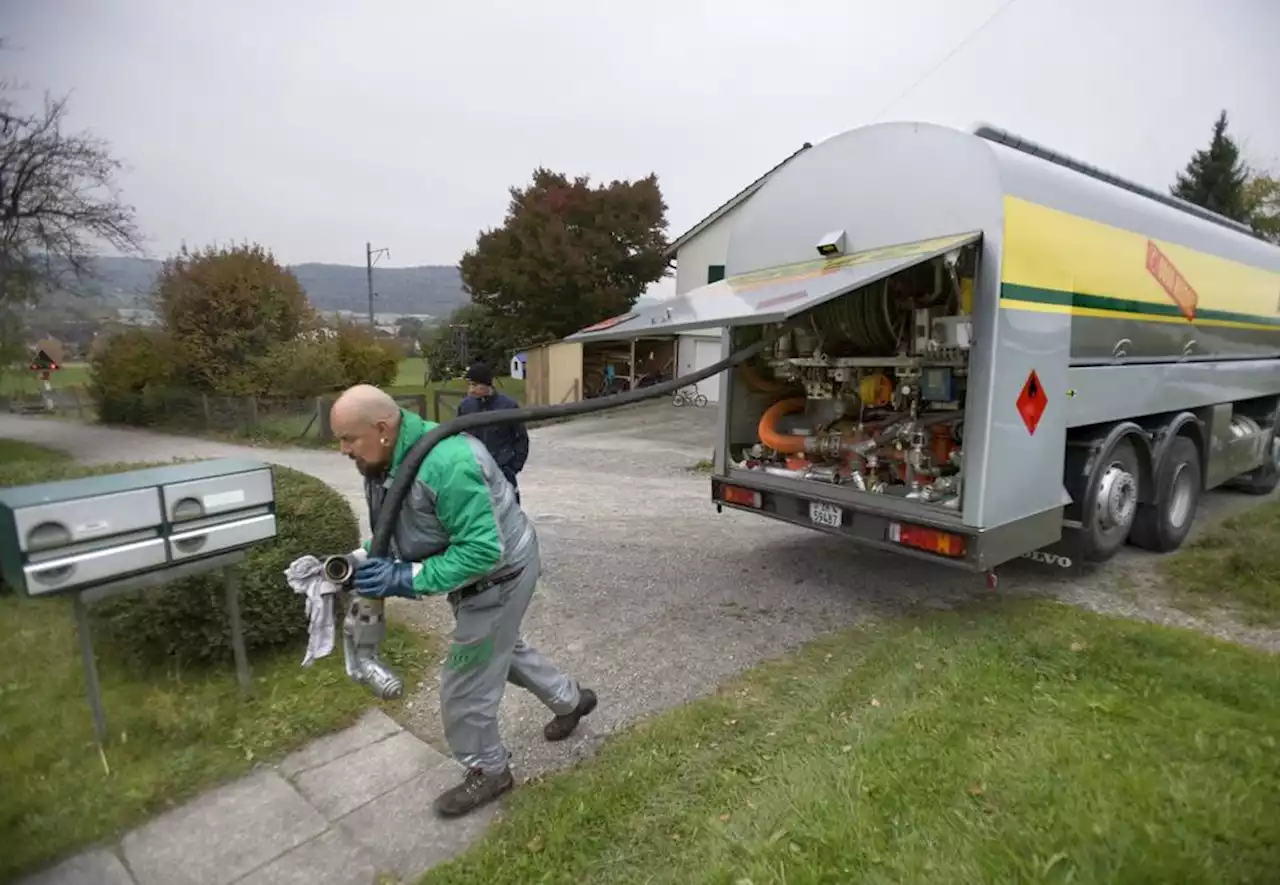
(487, 652)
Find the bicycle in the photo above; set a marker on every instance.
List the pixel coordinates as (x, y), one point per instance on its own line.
(688, 396)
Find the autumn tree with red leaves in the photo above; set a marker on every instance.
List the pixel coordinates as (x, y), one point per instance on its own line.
(568, 255)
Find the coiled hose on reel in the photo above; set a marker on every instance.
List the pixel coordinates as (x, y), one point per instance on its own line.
(384, 526)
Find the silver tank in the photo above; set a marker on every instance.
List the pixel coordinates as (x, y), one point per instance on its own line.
(896, 183)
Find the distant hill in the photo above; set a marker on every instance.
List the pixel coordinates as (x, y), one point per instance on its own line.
(430, 289)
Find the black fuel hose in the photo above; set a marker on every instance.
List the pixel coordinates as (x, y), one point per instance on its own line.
(390, 510)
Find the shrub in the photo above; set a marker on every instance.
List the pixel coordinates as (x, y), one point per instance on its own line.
(302, 368)
(365, 360)
(224, 308)
(186, 621)
(128, 374)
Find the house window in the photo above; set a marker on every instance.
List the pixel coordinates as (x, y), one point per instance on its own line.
(715, 273)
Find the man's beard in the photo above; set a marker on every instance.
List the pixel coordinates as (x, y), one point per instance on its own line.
(368, 468)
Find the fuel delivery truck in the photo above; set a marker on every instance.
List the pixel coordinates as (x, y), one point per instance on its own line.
(978, 349)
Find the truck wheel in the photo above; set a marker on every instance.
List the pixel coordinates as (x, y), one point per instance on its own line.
(1164, 526)
(1264, 479)
(1111, 503)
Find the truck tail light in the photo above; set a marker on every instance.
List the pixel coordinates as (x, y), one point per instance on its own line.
(932, 540)
(744, 497)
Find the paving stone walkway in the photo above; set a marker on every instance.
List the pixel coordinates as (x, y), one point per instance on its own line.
(351, 808)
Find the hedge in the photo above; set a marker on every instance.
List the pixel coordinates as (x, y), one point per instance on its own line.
(185, 621)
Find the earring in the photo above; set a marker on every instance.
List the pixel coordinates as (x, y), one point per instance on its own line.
(383, 440)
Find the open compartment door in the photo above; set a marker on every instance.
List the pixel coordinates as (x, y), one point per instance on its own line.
(772, 295)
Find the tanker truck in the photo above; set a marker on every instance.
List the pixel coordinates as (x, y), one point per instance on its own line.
(979, 349)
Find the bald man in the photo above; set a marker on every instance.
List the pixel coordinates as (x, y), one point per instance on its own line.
(460, 534)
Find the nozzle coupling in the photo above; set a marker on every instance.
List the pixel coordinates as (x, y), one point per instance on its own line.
(339, 569)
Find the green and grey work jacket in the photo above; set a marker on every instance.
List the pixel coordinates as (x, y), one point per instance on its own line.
(460, 523)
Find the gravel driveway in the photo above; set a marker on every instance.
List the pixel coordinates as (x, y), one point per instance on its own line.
(648, 595)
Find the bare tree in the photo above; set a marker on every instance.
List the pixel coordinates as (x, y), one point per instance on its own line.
(58, 201)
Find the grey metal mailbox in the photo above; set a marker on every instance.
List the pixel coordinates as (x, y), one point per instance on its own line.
(78, 534)
(103, 535)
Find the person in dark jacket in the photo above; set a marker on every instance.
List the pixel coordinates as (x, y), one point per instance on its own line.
(507, 443)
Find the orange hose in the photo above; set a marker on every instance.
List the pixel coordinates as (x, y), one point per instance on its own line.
(768, 430)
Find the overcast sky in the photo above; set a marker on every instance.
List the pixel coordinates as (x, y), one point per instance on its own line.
(312, 126)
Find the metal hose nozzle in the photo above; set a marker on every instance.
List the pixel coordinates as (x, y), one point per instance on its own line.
(363, 630)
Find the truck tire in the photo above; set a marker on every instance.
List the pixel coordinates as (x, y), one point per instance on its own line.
(1111, 502)
(1163, 526)
(1264, 479)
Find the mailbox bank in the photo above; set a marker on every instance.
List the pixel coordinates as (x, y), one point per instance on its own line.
(99, 536)
(78, 534)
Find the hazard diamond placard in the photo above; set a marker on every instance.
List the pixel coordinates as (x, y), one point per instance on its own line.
(1032, 402)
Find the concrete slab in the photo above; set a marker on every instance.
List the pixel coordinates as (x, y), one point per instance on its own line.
(371, 727)
(99, 867)
(334, 858)
(403, 833)
(222, 835)
(343, 785)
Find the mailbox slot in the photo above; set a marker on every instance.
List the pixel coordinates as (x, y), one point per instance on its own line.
(215, 495)
(63, 523)
(93, 567)
(221, 536)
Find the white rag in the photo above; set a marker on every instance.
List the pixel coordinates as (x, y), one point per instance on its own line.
(306, 575)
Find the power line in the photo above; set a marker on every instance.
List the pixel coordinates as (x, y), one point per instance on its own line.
(946, 58)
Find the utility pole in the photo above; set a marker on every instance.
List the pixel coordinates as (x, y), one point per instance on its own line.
(369, 255)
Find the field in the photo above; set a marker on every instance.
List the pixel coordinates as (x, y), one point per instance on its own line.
(412, 374)
(1011, 741)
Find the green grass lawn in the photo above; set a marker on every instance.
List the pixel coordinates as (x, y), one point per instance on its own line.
(12, 450)
(409, 381)
(1235, 565)
(173, 733)
(1010, 742)
(19, 381)
(412, 371)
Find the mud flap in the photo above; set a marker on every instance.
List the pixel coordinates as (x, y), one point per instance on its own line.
(1064, 556)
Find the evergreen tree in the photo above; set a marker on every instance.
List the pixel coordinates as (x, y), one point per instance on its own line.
(1215, 178)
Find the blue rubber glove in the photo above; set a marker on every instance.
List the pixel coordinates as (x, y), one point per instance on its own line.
(378, 578)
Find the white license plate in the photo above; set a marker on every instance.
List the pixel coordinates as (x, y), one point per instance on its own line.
(825, 514)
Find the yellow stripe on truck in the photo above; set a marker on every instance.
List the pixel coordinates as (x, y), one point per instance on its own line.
(1048, 250)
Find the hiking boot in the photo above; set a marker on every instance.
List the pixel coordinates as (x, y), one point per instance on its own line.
(562, 726)
(476, 789)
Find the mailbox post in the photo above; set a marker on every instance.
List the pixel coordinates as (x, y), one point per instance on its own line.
(102, 536)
